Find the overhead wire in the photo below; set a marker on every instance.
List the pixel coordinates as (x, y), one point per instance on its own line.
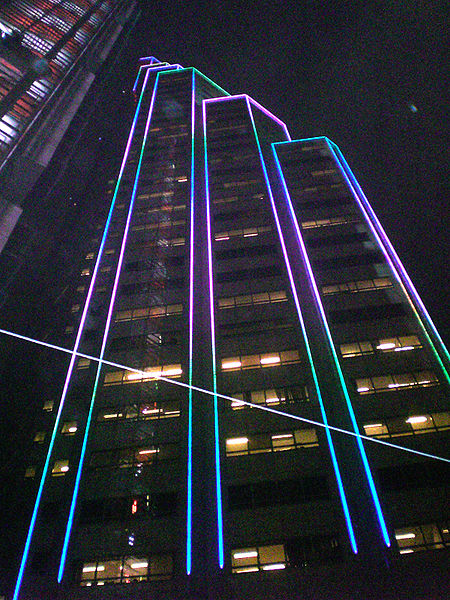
(224, 396)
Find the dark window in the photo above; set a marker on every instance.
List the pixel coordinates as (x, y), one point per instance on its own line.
(353, 260)
(368, 313)
(242, 274)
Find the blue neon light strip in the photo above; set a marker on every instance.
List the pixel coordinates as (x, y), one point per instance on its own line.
(72, 360)
(308, 349)
(104, 341)
(362, 451)
(391, 256)
(219, 508)
(191, 338)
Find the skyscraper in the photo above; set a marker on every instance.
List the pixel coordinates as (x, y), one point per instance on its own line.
(49, 55)
(244, 336)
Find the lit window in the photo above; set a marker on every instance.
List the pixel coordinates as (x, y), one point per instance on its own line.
(69, 329)
(395, 344)
(258, 558)
(30, 472)
(271, 442)
(249, 299)
(39, 437)
(431, 536)
(83, 363)
(48, 406)
(364, 285)
(414, 424)
(90, 256)
(384, 383)
(75, 308)
(151, 373)
(128, 569)
(251, 361)
(69, 428)
(149, 312)
(85, 273)
(270, 397)
(244, 233)
(331, 221)
(60, 467)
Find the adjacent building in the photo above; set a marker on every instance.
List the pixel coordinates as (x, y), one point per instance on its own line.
(50, 53)
(243, 334)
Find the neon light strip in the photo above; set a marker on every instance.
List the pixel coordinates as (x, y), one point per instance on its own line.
(257, 105)
(362, 452)
(391, 256)
(213, 351)
(230, 398)
(104, 341)
(73, 358)
(337, 472)
(191, 338)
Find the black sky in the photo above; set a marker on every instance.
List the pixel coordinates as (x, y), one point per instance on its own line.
(353, 71)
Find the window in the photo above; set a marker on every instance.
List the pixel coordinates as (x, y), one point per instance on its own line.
(30, 472)
(368, 313)
(151, 373)
(274, 493)
(389, 383)
(143, 411)
(258, 558)
(252, 361)
(127, 569)
(270, 397)
(75, 308)
(271, 442)
(149, 312)
(362, 285)
(249, 299)
(85, 273)
(39, 437)
(60, 468)
(395, 344)
(244, 274)
(48, 406)
(83, 363)
(135, 457)
(330, 221)
(90, 256)
(247, 232)
(69, 428)
(415, 538)
(413, 424)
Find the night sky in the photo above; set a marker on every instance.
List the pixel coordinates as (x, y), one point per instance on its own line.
(370, 76)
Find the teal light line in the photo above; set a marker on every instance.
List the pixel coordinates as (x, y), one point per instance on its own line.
(72, 361)
(110, 363)
(334, 461)
(340, 374)
(392, 258)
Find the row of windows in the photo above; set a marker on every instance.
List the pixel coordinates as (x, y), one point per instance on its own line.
(124, 376)
(69, 428)
(330, 221)
(144, 287)
(252, 299)
(429, 536)
(362, 285)
(297, 552)
(134, 314)
(245, 233)
(383, 345)
(275, 493)
(351, 260)
(127, 569)
(271, 442)
(144, 411)
(158, 225)
(244, 274)
(249, 251)
(252, 361)
(134, 457)
(417, 424)
(338, 239)
(149, 340)
(270, 397)
(368, 313)
(385, 383)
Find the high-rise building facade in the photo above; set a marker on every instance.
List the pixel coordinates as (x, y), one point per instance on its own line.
(50, 52)
(243, 338)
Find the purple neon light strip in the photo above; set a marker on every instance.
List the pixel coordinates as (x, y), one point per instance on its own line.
(389, 252)
(342, 495)
(74, 356)
(315, 289)
(219, 508)
(191, 337)
(248, 99)
(105, 338)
